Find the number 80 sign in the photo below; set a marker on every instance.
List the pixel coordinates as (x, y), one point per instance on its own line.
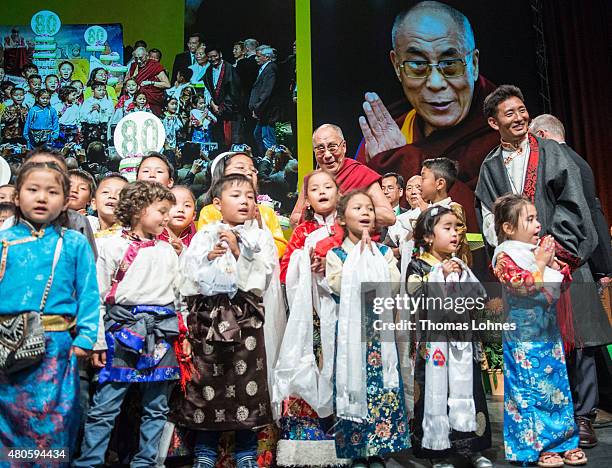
(138, 134)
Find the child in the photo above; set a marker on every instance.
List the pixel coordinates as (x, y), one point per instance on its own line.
(82, 188)
(66, 69)
(173, 123)
(438, 433)
(321, 191)
(369, 398)
(52, 85)
(39, 404)
(307, 410)
(104, 203)
(156, 167)
(437, 178)
(42, 124)
(183, 78)
(96, 111)
(68, 111)
(13, 118)
(7, 209)
(130, 87)
(6, 88)
(78, 85)
(181, 227)
(137, 276)
(138, 104)
(7, 193)
(34, 86)
(226, 269)
(200, 120)
(538, 411)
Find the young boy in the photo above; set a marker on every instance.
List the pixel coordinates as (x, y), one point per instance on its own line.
(7, 193)
(42, 124)
(14, 117)
(104, 203)
(438, 176)
(137, 275)
(52, 85)
(34, 86)
(7, 209)
(96, 111)
(82, 188)
(183, 78)
(225, 271)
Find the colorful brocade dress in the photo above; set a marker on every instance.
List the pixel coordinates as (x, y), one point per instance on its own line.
(538, 408)
(385, 430)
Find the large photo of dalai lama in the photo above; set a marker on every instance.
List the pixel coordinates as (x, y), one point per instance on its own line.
(410, 84)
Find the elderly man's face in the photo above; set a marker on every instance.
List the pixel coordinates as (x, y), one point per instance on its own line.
(329, 149)
(192, 44)
(261, 58)
(140, 57)
(441, 101)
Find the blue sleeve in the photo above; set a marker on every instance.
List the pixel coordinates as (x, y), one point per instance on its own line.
(26, 125)
(88, 297)
(54, 124)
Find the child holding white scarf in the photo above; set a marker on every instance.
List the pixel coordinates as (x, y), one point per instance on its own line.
(450, 409)
(369, 397)
(538, 411)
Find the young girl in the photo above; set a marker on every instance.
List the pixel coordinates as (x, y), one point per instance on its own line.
(173, 123)
(130, 87)
(39, 404)
(441, 378)
(181, 227)
(306, 410)
(138, 104)
(68, 111)
(538, 410)
(138, 276)
(369, 397)
(200, 120)
(226, 269)
(96, 112)
(78, 85)
(52, 85)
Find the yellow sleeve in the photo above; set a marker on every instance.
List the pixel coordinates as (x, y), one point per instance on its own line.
(463, 251)
(112, 94)
(209, 214)
(269, 217)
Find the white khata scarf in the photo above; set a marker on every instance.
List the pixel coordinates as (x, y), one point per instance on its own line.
(351, 395)
(448, 362)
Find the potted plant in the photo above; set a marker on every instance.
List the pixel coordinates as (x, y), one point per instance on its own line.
(493, 359)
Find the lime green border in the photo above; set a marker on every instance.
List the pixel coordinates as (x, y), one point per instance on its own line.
(304, 91)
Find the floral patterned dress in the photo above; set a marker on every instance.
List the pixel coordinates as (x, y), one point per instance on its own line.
(538, 408)
(386, 429)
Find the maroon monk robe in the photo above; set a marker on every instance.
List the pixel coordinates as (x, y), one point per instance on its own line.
(469, 142)
(355, 175)
(149, 72)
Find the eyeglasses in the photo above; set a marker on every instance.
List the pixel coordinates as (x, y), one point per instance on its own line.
(333, 148)
(451, 68)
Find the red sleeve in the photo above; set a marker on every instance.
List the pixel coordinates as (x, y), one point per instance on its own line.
(518, 281)
(297, 240)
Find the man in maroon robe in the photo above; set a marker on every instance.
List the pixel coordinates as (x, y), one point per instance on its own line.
(330, 151)
(151, 78)
(436, 61)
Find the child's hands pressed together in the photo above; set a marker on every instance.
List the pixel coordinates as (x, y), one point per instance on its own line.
(545, 252)
(317, 264)
(366, 241)
(449, 266)
(218, 250)
(232, 242)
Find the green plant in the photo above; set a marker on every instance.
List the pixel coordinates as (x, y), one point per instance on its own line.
(495, 356)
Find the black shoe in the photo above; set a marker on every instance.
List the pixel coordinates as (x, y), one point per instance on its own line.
(586, 433)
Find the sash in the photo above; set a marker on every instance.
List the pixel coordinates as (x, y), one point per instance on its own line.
(126, 262)
(217, 89)
(448, 376)
(531, 176)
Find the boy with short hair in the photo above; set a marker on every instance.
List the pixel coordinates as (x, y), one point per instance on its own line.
(34, 86)
(82, 189)
(14, 117)
(7, 193)
(438, 177)
(7, 210)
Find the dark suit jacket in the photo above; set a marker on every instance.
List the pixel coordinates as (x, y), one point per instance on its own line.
(264, 100)
(182, 61)
(229, 95)
(247, 69)
(601, 260)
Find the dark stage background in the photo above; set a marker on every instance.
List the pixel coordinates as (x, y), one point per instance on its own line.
(224, 22)
(351, 43)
